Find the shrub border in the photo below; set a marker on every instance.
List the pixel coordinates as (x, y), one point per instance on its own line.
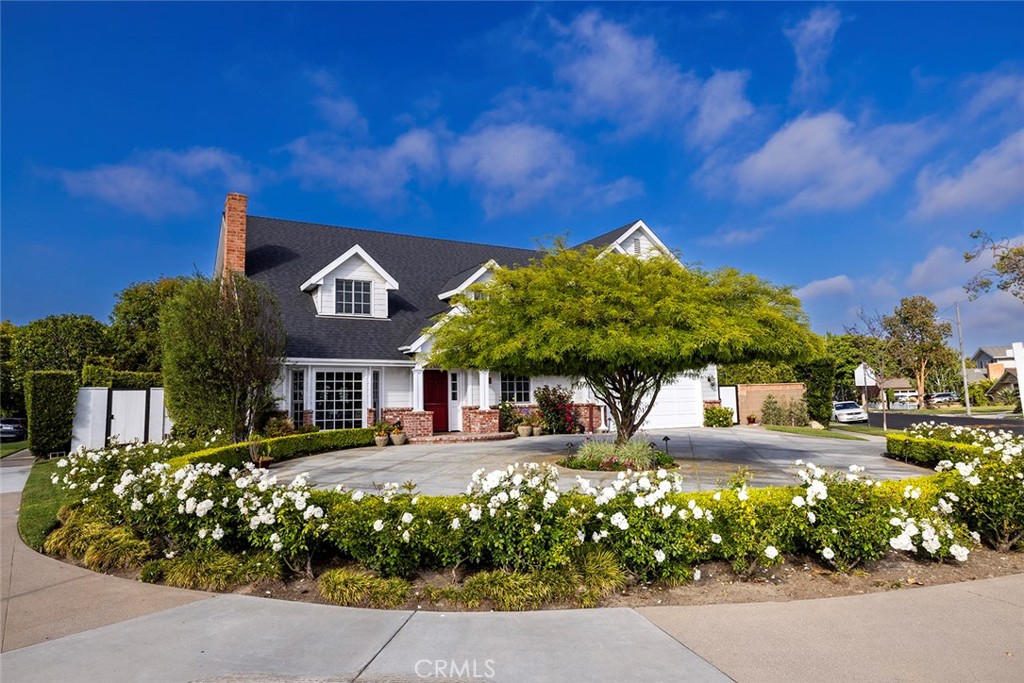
(279, 448)
(928, 452)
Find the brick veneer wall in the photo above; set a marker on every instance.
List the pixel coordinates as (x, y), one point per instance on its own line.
(751, 396)
(414, 422)
(476, 421)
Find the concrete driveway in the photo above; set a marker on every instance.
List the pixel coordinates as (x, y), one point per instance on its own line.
(706, 458)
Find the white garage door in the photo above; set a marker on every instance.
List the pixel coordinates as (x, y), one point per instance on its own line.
(678, 405)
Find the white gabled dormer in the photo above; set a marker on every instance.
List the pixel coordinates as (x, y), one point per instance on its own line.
(351, 286)
(639, 240)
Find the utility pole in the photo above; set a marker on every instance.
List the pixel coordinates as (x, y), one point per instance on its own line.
(963, 361)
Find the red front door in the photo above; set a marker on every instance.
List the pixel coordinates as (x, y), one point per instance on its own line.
(435, 397)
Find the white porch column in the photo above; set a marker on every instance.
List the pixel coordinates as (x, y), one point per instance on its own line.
(485, 380)
(417, 388)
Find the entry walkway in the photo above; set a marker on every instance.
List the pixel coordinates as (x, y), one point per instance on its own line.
(68, 624)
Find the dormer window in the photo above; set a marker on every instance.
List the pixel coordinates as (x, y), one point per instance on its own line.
(353, 297)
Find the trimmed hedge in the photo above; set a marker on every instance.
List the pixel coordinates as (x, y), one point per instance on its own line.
(280, 448)
(103, 376)
(928, 452)
(717, 416)
(50, 397)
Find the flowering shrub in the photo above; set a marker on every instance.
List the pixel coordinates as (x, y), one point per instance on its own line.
(557, 410)
(717, 416)
(985, 476)
(208, 517)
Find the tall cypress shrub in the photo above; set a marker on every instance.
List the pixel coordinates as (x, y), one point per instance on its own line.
(818, 377)
(50, 397)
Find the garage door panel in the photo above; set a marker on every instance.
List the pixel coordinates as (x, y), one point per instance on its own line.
(678, 404)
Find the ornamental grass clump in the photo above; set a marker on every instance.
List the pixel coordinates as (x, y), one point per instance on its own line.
(351, 588)
(636, 455)
(207, 568)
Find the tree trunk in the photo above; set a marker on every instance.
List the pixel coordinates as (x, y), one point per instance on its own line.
(624, 392)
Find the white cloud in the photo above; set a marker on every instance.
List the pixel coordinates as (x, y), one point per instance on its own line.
(991, 181)
(517, 166)
(721, 105)
(374, 174)
(995, 91)
(942, 267)
(816, 161)
(160, 183)
(617, 75)
(840, 284)
(341, 113)
(812, 41)
(736, 236)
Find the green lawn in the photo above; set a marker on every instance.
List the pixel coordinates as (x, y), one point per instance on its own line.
(862, 429)
(40, 502)
(808, 431)
(12, 447)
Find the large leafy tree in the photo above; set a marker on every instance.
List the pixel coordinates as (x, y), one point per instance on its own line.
(848, 351)
(918, 337)
(1007, 271)
(223, 346)
(12, 393)
(624, 325)
(135, 323)
(59, 342)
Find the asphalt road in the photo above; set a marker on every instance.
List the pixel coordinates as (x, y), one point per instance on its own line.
(904, 420)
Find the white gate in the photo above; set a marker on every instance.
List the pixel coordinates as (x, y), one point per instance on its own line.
(120, 415)
(730, 398)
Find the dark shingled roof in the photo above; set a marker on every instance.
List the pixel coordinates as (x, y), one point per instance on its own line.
(607, 238)
(284, 254)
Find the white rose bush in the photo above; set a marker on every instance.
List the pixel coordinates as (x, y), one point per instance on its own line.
(136, 509)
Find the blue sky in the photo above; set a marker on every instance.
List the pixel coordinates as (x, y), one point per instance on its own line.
(846, 150)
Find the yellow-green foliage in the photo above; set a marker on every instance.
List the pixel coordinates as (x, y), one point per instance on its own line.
(203, 569)
(361, 589)
(928, 452)
(259, 567)
(76, 533)
(116, 548)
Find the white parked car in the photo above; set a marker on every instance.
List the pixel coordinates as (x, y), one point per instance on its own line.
(848, 411)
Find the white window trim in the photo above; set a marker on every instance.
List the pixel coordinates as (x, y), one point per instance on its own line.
(529, 381)
(373, 293)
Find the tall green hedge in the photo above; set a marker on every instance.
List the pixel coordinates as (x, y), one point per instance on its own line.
(818, 377)
(104, 376)
(50, 397)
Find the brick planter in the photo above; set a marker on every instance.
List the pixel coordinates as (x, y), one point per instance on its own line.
(414, 422)
(476, 421)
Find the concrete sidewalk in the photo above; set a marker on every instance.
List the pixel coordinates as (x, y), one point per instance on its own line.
(65, 623)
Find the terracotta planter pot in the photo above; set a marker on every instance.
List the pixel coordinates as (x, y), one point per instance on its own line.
(398, 438)
(524, 430)
(751, 420)
(381, 441)
(263, 463)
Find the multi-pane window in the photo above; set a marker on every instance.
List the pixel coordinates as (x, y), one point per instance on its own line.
(375, 393)
(339, 400)
(298, 396)
(454, 386)
(515, 388)
(353, 297)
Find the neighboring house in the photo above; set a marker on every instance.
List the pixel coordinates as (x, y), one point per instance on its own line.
(357, 306)
(1006, 381)
(994, 360)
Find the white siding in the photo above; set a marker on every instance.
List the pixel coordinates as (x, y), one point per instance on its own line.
(354, 268)
(396, 388)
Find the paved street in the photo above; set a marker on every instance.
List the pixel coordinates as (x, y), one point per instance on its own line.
(904, 420)
(706, 458)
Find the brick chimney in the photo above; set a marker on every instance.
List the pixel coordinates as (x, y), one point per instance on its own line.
(233, 235)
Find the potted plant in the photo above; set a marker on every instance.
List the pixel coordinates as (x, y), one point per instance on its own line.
(258, 452)
(525, 428)
(380, 434)
(751, 419)
(538, 425)
(398, 436)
